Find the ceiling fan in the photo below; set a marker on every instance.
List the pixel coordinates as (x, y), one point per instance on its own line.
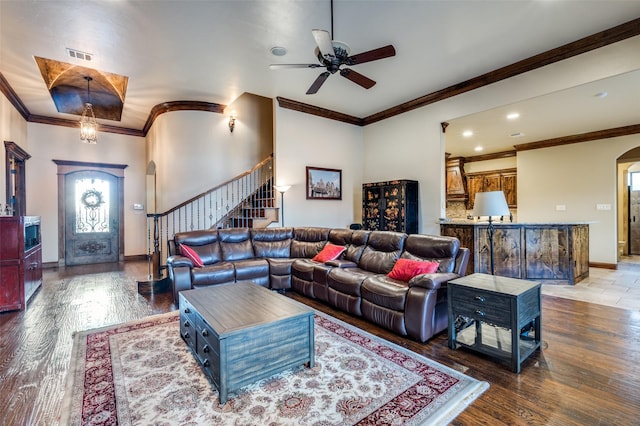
(333, 54)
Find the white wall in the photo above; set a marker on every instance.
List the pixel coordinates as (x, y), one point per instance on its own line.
(47, 143)
(411, 145)
(194, 150)
(13, 128)
(306, 140)
(579, 176)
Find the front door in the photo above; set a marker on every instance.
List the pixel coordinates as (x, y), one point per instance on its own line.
(634, 214)
(91, 218)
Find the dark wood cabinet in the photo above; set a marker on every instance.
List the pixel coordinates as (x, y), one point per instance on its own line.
(496, 180)
(456, 181)
(390, 206)
(555, 252)
(20, 261)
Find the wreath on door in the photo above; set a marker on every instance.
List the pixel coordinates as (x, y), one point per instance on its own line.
(92, 198)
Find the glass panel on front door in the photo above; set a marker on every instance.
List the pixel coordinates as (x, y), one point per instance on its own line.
(92, 205)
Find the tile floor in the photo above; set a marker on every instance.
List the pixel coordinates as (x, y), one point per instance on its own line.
(618, 288)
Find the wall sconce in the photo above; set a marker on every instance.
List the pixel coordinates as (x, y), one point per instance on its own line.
(232, 120)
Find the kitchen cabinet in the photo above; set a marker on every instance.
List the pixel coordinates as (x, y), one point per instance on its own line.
(531, 251)
(496, 180)
(456, 182)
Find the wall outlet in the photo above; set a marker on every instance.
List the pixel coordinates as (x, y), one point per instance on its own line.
(561, 207)
(138, 206)
(603, 206)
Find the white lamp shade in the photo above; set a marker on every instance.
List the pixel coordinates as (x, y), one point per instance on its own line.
(490, 203)
(282, 188)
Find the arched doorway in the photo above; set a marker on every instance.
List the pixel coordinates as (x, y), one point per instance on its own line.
(90, 212)
(628, 220)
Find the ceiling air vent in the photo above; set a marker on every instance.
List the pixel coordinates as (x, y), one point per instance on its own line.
(76, 54)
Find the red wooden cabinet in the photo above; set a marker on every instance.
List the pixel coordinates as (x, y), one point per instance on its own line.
(20, 260)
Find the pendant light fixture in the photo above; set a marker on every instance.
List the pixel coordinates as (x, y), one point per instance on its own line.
(88, 125)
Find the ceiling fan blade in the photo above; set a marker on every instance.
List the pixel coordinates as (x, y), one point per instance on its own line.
(323, 40)
(318, 83)
(372, 55)
(357, 78)
(284, 66)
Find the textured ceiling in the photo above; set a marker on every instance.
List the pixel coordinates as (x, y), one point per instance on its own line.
(213, 51)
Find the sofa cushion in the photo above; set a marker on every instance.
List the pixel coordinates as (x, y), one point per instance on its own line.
(219, 273)
(308, 242)
(191, 254)
(329, 252)
(382, 291)
(303, 269)
(356, 246)
(382, 251)
(203, 242)
(405, 269)
(235, 244)
(347, 281)
(442, 249)
(272, 242)
(340, 236)
(249, 269)
(280, 266)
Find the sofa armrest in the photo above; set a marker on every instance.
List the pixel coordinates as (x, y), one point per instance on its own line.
(341, 263)
(179, 274)
(432, 281)
(179, 260)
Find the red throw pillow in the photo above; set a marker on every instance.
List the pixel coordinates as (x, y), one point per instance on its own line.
(191, 254)
(405, 269)
(329, 252)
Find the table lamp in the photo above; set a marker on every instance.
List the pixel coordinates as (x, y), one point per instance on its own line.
(490, 204)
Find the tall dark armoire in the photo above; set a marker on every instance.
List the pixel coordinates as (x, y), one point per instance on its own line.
(390, 206)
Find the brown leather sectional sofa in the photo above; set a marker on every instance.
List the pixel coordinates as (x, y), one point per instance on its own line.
(357, 282)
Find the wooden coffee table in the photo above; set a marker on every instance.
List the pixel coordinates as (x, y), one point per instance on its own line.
(241, 333)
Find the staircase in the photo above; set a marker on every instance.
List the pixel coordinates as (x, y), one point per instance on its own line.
(246, 201)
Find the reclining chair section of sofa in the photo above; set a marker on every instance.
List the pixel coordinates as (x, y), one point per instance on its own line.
(357, 282)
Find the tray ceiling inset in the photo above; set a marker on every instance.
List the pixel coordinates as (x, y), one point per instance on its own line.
(68, 88)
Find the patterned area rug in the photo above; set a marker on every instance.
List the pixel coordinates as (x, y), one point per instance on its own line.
(142, 373)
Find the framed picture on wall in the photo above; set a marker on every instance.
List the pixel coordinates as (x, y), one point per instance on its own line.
(324, 184)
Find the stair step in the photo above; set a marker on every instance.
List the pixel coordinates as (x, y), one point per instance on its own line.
(255, 212)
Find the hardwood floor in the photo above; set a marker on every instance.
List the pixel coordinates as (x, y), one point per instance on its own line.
(588, 372)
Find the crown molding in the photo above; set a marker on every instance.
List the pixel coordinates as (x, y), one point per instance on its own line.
(493, 156)
(582, 137)
(583, 45)
(180, 106)
(13, 98)
(320, 112)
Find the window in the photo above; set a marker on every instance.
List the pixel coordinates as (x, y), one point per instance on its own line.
(92, 205)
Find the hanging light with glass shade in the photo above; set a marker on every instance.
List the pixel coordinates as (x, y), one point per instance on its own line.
(88, 125)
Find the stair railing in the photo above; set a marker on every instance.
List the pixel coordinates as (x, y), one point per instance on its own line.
(213, 208)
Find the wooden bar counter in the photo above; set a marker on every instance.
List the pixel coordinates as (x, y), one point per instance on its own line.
(550, 252)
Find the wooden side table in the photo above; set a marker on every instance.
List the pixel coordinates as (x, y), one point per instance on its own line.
(497, 316)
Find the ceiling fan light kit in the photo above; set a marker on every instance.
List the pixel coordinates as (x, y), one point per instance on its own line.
(333, 55)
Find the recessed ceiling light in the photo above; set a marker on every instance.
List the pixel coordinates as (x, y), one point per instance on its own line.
(601, 95)
(278, 51)
(467, 133)
(513, 116)
(478, 148)
(516, 135)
